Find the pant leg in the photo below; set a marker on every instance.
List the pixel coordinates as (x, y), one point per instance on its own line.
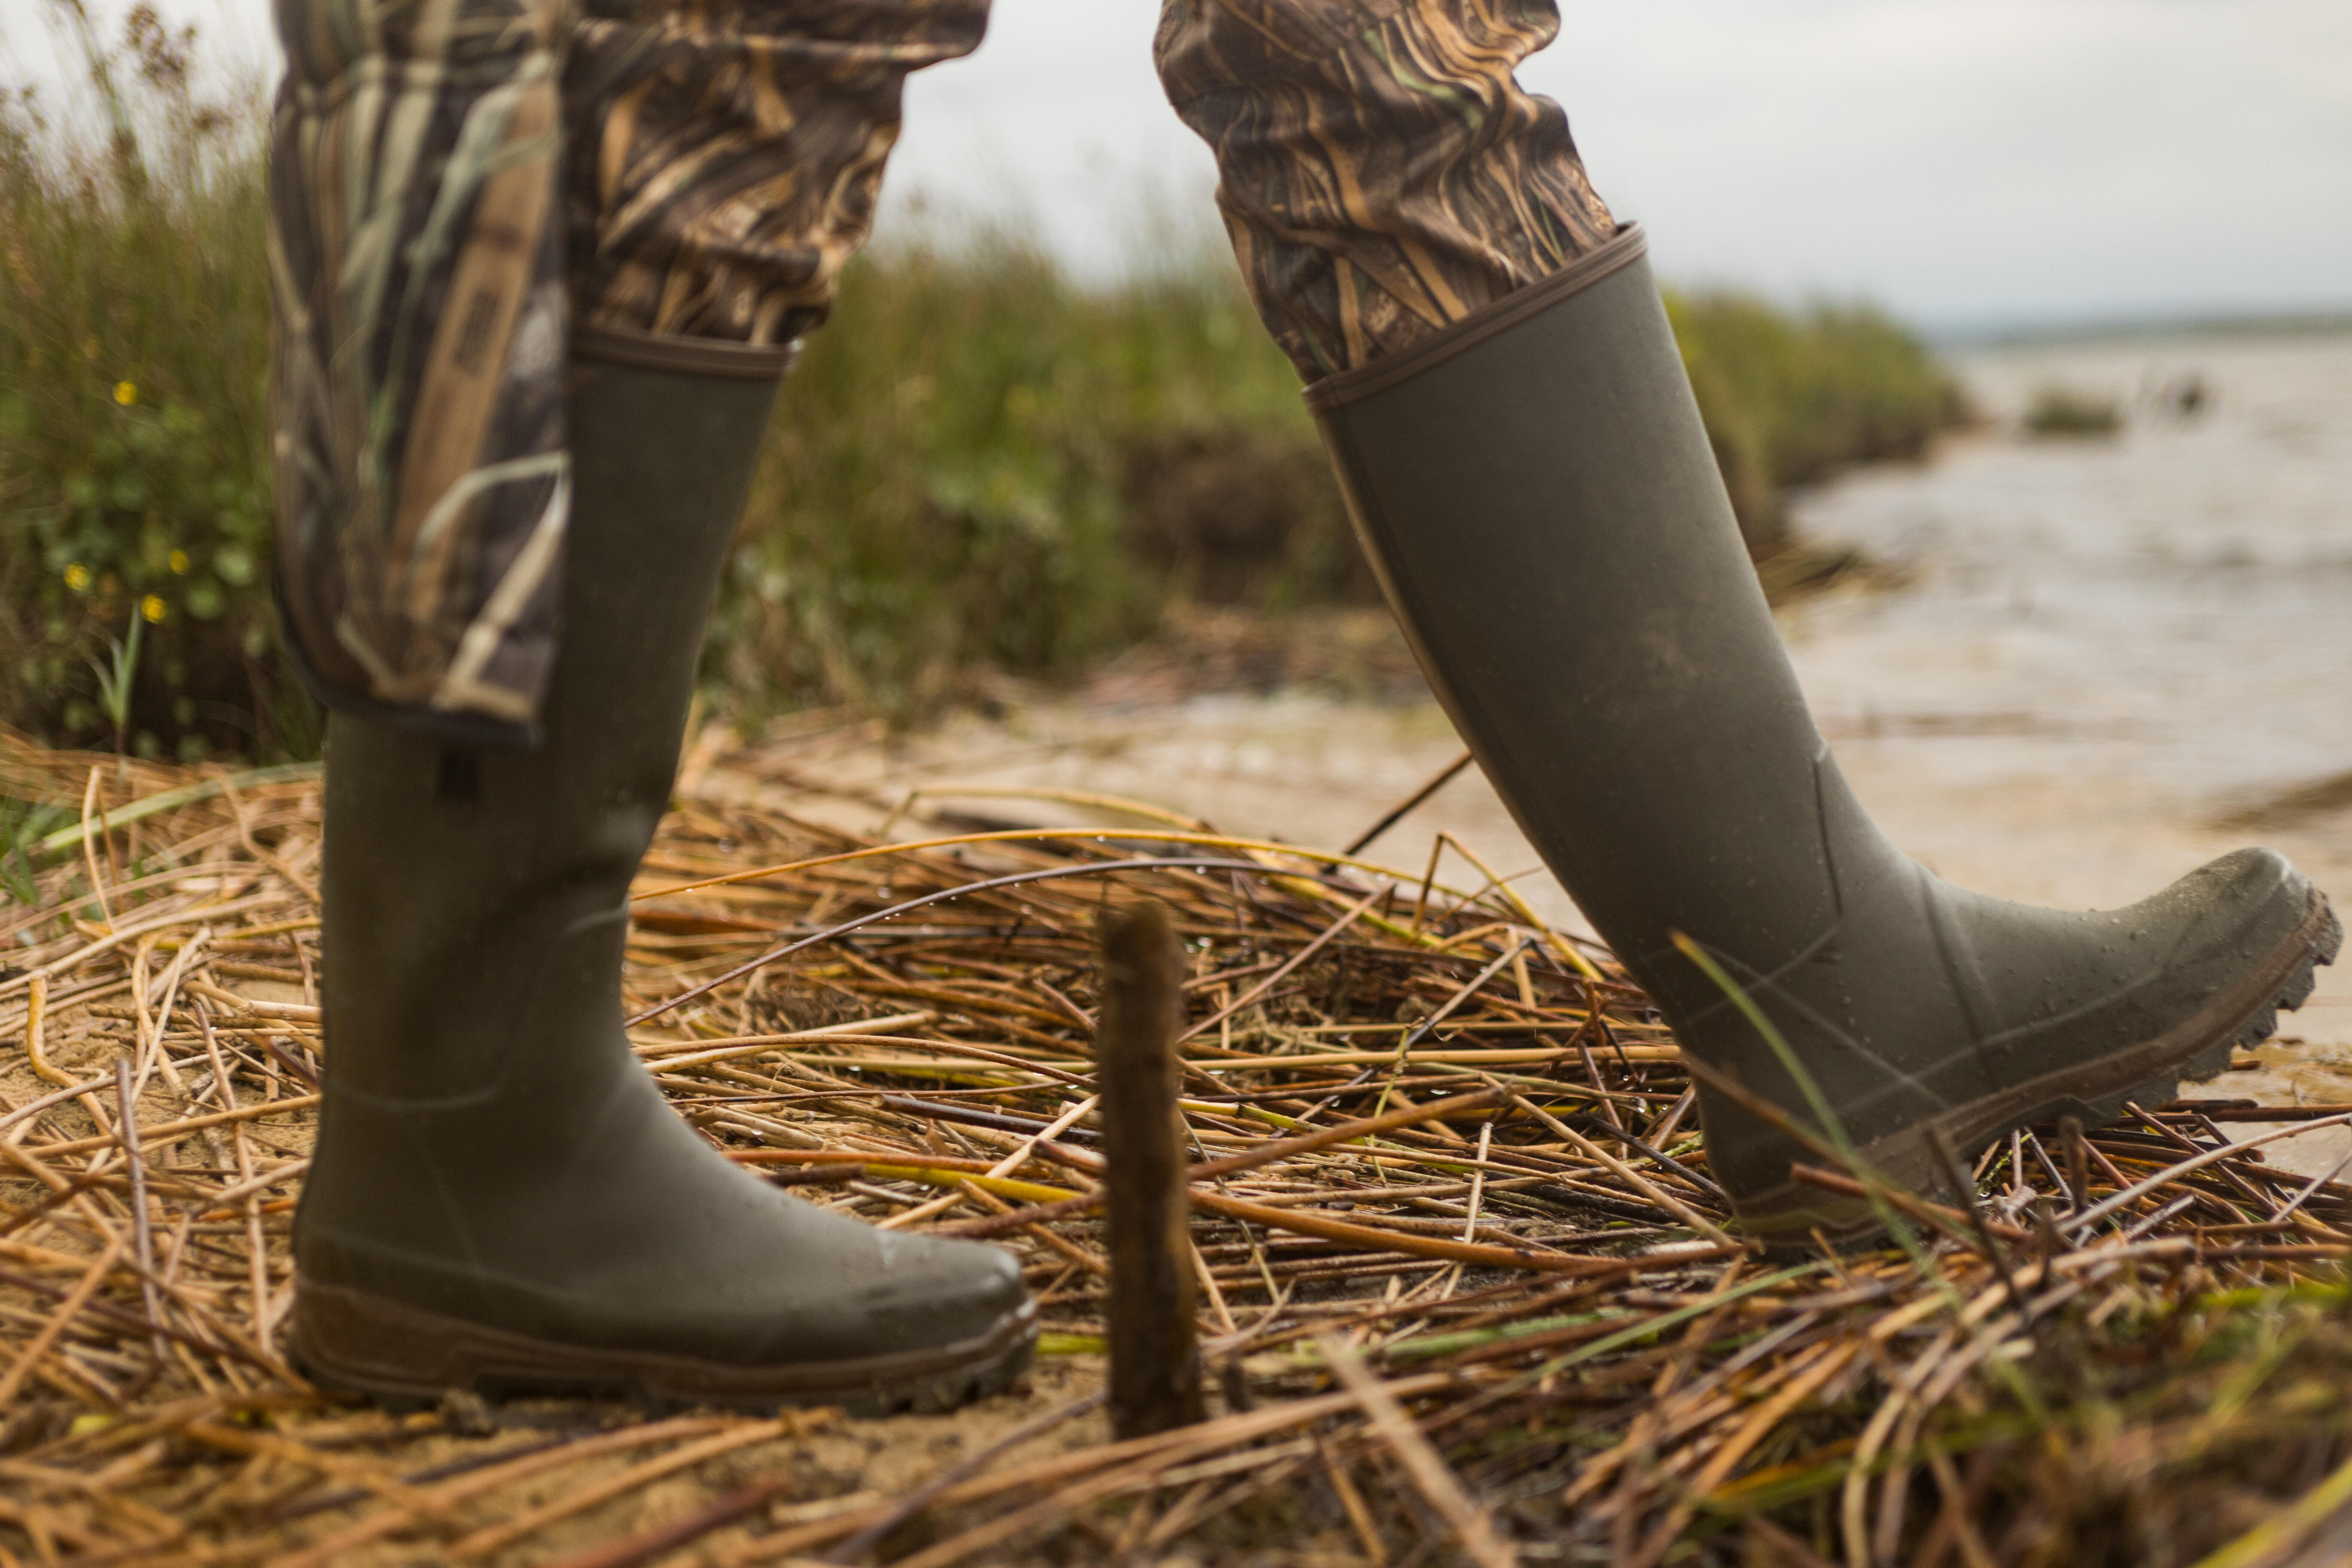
(1382, 174)
(726, 154)
(455, 185)
(416, 410)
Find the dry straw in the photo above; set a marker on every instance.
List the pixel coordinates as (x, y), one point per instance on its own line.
(1465, 1284)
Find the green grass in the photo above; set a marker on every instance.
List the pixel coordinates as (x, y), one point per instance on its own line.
(981, 463)
(1791, 398)
(955, 474)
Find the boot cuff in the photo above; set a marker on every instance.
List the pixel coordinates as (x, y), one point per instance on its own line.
(686, 356)
(1337, 391)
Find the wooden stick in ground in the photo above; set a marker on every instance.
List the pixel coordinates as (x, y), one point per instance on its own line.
(1421, 1461)
(1155, 1367)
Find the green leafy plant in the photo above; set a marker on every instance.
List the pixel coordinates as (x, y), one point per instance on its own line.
(114, 682)
(134, 487)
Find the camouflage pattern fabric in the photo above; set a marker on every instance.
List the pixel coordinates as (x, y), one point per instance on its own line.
(453, 182)
(416, 263)
(428, 222)
(726, 154)
(1380, 172)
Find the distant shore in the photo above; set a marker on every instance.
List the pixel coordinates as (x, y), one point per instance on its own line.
(2324, 323)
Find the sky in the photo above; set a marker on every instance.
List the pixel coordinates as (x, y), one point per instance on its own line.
(1968, 163)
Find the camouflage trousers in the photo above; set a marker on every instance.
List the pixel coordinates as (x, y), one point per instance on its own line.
(456, 185)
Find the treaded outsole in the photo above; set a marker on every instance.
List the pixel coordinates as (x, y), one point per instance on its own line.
(936, 1396)
(401, 1358)
(2260, 1027)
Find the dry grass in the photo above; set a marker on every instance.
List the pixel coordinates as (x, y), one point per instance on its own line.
(1504, 1324)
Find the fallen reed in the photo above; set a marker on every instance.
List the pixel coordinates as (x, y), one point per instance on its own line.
(1463, 1280)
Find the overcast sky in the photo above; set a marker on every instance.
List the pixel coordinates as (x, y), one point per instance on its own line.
(1965, 161)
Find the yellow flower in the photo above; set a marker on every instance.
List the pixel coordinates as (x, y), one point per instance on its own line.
(152, 607)
(179, 563)
(76, 576)
(125, 394)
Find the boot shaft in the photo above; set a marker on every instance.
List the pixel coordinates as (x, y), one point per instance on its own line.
(453, 874)
(1546, 514)
(501, 1196)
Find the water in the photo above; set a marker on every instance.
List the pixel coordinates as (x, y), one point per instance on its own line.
(2178, 600)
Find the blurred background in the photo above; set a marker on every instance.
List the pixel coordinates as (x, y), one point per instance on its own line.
(2022, 328)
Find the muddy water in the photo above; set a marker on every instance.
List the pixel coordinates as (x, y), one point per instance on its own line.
(2101, 652)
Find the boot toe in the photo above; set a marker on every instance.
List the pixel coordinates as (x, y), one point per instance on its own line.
(2246, 897)
(788, 1282)
(2200, 938)
(932, 1291)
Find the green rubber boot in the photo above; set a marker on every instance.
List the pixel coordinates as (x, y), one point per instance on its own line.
(500, 1199)
(1538, 494)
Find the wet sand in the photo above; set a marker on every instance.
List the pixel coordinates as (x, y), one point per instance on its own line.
(2106, 661)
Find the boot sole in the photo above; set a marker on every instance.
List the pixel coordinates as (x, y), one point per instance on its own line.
(352, 1342)
(2147, 1074)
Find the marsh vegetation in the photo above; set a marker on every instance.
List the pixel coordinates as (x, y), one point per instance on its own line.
(2063, 412)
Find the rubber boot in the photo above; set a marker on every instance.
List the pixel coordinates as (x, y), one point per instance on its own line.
(1538, 494)
(500, 1199)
